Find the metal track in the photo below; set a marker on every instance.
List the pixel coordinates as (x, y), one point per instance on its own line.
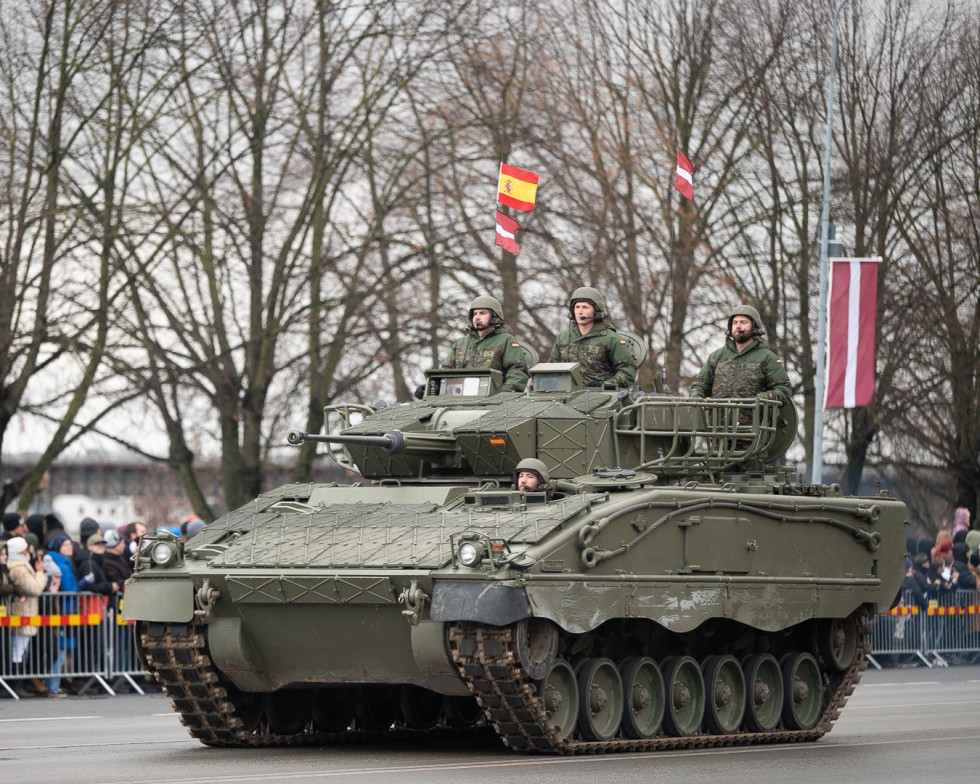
(177, 656)
(487, 660)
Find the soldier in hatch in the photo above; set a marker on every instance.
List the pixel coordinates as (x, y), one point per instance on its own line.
(592, 341)
(490, 343)
(744, 367)
(531, 476)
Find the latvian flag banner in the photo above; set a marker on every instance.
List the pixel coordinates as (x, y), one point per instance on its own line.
(507, 229)
(684, 177)
(851, 332)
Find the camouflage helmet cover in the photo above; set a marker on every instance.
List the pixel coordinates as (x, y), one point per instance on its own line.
(533, 464)
(746, 310)
(485, 303)
(586, 294)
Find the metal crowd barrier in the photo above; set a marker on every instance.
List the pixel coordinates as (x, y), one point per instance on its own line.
(934, 633)
(79, 636)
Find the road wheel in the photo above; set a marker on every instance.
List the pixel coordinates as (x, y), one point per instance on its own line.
(724, 684)
(559, 690)
(764, 690)
(600, 698)
(643, 697)
(684, 687)
(803, 691)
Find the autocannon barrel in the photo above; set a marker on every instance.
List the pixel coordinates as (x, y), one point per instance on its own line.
(394, 442)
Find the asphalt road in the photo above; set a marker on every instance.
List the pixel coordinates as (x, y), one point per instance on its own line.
(900, 726)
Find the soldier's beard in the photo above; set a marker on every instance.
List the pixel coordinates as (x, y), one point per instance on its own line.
(742, 336)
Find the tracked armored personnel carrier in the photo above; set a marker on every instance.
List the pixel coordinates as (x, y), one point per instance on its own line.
(672, 587)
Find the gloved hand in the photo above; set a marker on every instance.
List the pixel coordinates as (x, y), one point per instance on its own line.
(696, 396)
(88, 579)
(770, 395)
(420, 391)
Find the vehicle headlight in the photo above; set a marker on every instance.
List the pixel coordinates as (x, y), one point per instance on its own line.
(162, 553)
(470, 553)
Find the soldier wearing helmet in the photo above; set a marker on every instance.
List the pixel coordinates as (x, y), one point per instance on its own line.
(489, 343)
(531, 476)
(745, 367)
(592, 341)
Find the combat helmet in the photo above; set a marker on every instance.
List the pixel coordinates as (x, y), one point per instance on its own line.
(486, 303)
(590, 295)
(533, 464)
(752, 313)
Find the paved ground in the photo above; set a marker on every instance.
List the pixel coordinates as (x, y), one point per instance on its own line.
(901, 726)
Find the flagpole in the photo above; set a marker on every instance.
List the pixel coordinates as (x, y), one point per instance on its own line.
(815, 474)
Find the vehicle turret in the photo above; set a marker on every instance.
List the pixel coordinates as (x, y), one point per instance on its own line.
(464, 429)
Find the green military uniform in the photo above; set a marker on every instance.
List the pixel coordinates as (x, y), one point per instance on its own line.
(497, 349)
(756, 372)
(601, 353)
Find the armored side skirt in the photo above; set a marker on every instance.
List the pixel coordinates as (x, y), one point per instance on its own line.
(262, 643)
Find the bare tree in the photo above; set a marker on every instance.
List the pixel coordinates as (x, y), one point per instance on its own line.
(887, 146)
(60, 278)
(936, 390)
(644, 82)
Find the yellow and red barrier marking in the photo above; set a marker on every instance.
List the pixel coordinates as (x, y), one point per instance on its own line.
(971, 610)
(913, 610)
(71, 619)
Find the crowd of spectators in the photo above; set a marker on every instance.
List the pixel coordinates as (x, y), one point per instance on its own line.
(38, 560)
(937, 570)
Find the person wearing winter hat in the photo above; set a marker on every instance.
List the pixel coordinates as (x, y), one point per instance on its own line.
(191, 527)
(29, 583)
(115, 564)
(91, 576)
(13, 525)
(86, 528)
(973, 541)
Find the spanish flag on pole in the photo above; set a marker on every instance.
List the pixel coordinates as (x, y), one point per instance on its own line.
(517, 188)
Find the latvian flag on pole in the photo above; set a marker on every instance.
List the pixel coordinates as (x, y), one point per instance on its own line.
(851, 332)
(684, 177)
(507, 229)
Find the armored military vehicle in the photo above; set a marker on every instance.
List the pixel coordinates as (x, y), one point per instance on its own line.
(669, 586)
